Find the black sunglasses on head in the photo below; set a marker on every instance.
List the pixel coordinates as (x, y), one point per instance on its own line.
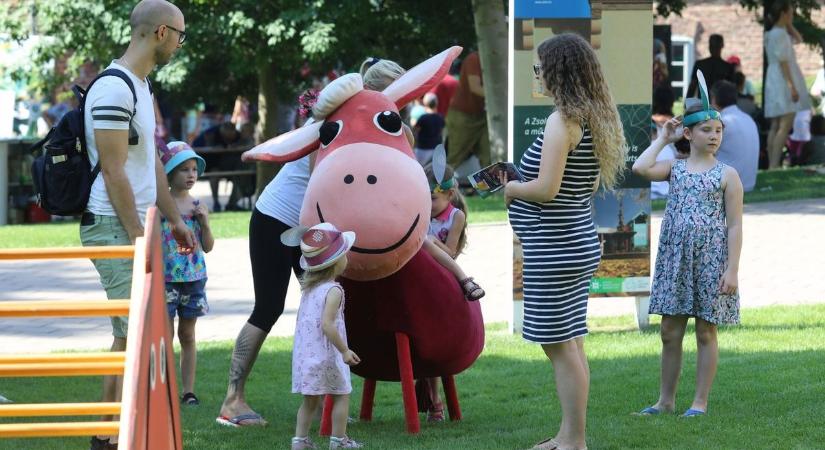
(181, 34)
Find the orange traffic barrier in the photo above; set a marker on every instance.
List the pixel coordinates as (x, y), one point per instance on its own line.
(59, 409)
(104, 252)
(64, 308)
(18, 430)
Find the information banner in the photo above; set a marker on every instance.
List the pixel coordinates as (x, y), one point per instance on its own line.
(621, 32)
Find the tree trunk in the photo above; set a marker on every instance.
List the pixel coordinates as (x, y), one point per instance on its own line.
(267, 116)
(491, 30)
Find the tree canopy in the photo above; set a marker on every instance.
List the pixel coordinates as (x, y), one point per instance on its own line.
(230, 44)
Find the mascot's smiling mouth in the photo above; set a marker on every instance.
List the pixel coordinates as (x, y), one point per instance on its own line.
(375, 251)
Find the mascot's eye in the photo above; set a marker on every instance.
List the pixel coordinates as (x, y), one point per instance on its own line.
(329, 131)
(389, 122)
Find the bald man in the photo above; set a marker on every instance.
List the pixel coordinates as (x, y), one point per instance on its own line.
(120, 137)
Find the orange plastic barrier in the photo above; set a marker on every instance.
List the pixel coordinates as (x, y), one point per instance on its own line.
(64, 308)
(109, 252)
(149, 410)
(60, 409)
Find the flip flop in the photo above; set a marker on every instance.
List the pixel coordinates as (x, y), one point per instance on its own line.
(235, 422)
(693, 413)
(649, 411)
(547, 444)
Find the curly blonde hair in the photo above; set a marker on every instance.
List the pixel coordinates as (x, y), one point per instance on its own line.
(573, 77)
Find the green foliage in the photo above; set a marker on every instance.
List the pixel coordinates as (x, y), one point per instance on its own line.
(229, 44)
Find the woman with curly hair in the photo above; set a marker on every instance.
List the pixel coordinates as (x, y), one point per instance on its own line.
(582, 146)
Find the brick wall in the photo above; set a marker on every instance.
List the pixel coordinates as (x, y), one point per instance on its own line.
(743, 34)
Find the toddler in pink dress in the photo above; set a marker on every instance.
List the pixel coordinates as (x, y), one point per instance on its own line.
(320, 355)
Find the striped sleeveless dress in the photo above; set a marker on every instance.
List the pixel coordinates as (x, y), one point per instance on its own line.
(560, 244)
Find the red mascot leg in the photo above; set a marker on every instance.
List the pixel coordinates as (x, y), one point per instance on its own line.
(402, 344)
(326, 417)
(452, 397)
(367, 398)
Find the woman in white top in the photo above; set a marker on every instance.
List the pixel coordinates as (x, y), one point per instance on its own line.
(278, 208)
(785, 90)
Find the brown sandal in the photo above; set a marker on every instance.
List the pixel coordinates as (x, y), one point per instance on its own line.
(472, 291)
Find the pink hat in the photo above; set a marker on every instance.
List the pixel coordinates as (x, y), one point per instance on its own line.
(322, 245)
(175, 153)
(733, 59)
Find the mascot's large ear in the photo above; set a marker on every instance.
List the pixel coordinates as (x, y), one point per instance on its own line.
(288, 146)
(422, 77)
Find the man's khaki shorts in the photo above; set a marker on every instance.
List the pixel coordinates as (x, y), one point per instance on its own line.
(115, 274)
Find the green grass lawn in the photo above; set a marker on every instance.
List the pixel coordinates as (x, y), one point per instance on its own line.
(776, 185)
(768, 393)
(780, 185)
(224, 225)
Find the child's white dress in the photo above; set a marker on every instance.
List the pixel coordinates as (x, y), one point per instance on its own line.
(317, 366)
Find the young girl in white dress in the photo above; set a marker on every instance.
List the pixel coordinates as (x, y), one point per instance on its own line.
(320, 355)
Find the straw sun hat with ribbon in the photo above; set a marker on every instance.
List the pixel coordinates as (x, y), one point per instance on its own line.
(321, 245)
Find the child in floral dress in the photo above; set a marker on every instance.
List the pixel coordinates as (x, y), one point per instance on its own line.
(185, 273)
(697, 264)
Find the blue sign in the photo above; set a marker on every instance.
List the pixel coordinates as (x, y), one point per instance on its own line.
(552, 9)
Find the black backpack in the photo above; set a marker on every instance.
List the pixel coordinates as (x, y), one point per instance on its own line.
(62, 173)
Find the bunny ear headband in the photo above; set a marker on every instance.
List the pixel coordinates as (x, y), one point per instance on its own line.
(707, 113)
(439, 164)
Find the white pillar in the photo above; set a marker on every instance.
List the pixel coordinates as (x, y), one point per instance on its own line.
(4, 182)
(642, 316)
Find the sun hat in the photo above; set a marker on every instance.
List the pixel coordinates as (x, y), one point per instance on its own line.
(322, 245)
(176, 152)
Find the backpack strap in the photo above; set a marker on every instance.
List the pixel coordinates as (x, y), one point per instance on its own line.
(80, 93)
(112, 73)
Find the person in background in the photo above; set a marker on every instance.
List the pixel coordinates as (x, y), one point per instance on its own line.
(740, 147)
(223, 135)
(428, 130)
(446, 88)
(746, 88)
(466, 118)
(814, 151)
(785, 89)
(660, 70)
(713, 67)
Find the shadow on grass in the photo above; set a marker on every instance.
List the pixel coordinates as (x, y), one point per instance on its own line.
(508, 399)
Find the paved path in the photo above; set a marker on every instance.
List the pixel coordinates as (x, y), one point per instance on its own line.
(782, 263)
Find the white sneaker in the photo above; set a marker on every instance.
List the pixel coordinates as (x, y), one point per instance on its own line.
(343, 442)
(302, 443)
